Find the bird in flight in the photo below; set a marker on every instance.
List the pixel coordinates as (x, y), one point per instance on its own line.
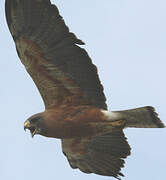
(75, 106)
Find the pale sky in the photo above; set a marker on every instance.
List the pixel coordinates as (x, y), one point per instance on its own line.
(126, 39)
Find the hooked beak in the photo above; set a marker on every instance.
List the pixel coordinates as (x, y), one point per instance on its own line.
(32, 128)
(27, 125)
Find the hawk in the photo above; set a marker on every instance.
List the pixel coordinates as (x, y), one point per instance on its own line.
(75, 105)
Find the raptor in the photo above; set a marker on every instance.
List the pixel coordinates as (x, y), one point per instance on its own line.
(75, 105)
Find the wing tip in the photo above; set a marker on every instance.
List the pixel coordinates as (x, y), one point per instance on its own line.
(7, 12)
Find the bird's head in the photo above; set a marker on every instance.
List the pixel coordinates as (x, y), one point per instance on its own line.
(34, 124)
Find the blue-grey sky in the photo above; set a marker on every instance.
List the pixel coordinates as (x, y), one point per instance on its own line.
(126, 39)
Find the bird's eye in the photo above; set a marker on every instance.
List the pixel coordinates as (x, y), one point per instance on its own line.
(34, 120)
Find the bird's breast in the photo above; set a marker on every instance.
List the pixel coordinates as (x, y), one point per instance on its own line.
(74, 122)
(71, 130)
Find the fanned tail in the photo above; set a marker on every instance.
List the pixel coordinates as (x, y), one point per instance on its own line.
(144, 117)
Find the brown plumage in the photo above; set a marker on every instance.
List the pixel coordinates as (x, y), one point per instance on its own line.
(76, 111)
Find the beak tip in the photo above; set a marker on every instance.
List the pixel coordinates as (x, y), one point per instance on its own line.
(26, 125)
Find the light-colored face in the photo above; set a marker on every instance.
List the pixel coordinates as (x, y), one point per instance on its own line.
(34, 124)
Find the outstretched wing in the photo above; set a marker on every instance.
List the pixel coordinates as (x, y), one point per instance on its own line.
(101, 155)
(61, 70)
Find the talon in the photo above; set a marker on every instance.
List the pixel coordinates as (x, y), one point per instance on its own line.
(117, 123)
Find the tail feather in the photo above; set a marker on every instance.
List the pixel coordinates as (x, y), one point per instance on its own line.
(156, 120)
(144, 117)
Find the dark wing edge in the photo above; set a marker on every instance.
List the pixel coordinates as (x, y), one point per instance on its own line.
(103, 155)
(40, 22)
